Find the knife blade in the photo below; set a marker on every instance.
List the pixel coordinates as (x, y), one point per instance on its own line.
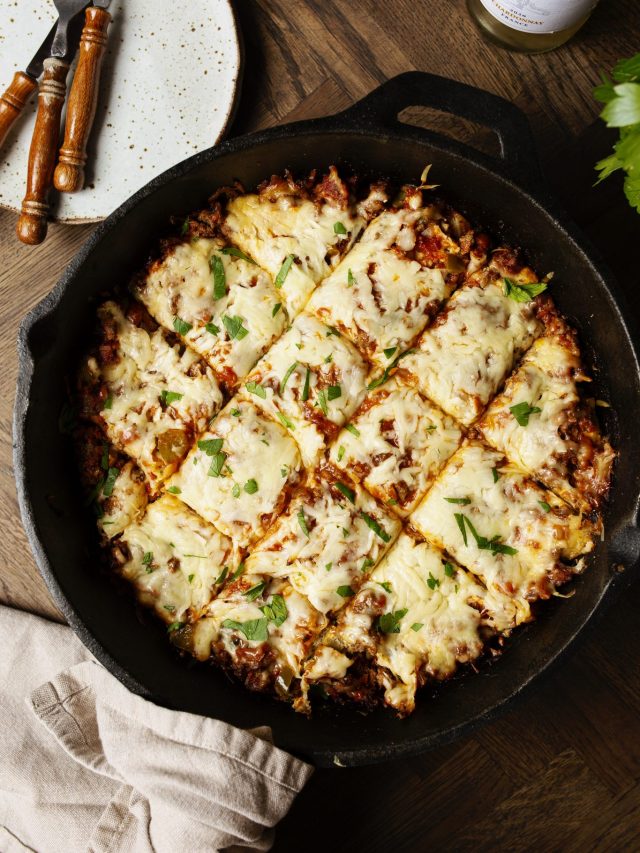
(83, 98)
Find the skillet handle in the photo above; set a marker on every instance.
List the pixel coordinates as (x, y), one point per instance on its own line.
(417, 88)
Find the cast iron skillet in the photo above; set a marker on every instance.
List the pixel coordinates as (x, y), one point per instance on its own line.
(506, 197)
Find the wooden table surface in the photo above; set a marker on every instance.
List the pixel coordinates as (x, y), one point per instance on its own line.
(561, 770)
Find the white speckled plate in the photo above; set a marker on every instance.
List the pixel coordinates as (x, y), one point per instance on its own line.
(167, 90)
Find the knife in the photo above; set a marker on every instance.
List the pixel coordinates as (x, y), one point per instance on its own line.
(83, 98)
(32, 222)
(16, 96)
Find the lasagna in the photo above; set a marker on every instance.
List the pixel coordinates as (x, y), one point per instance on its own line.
(338, 444)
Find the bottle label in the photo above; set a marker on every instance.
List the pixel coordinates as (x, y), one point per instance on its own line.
(539, 16)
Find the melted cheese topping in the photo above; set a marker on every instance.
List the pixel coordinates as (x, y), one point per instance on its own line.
(288, 642)
(126, 503)
(403, 441)
(546, 379)
(233, 488)
(156, 435)
(270, 231)
(442, 618)
(175, 559)
(461, 361)
(332, 363)
(500, 501)
(377, 297)
(329, 563)
(182, 286)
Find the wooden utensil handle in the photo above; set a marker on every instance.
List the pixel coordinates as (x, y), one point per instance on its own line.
(81, 109)
(13, 101)
(32, 223)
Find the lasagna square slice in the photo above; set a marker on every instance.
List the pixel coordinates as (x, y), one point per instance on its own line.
(295, 231)
(392, 282)
(311, 380)
(418, 616)
(462, 360)
(175, 560)
(330, 537)
(220, 303)
(395, 444)
(240, 473)
(542, 425)
(259, 629)
(153, 396)
(517, 537)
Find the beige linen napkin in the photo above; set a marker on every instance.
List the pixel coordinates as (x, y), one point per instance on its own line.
(87, 766)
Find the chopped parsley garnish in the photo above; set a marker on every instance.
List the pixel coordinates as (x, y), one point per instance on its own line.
(333, 392)
(211, 446)
(217, 464)
(181, 326)
(332, 331)
(254, 629)
(231, 250)
(237, 572)
(285, 421)
(416, 626)
(350, 279)
(299, 346)
(496, 474)
(235, 413)
(523, 411)
(341, 452)
(276, 308)
(349, 494)
(329, 358)
(223, 574)
(284, 271)
(384, 376)
(494, 544)
(322, 402)
(170, 608)
(328, 566)
(168, 397)
(449, 570)
(108, 403)
(377, 528)
(386, 586)
(251, 487)
(350, 428)
(190, 578)
(389, 351)
(276, 610)
(104, 461)
(175, 626)
(148, 558)
(431, 428)
(284, 470)
(366, 564)
(302, 521)
(389, 623)
(305, 390)
(110, 481)
(345, 532)
(461, 501)
(174, 490)
(432, 582)
(184, 227)
(236, 490)
(234, 327)
(219, 277)
(545, 506)
(212, 329)
(258, 390)
(338, 228)
(255, 591)
(345, 591)
(523, 292)
(287, 376)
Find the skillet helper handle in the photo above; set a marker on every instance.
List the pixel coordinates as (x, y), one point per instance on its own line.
(417, 88)
(32, 223)
(83, 98)
(13, 101)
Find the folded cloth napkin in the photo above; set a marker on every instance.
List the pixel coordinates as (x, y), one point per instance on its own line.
(87, 766)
